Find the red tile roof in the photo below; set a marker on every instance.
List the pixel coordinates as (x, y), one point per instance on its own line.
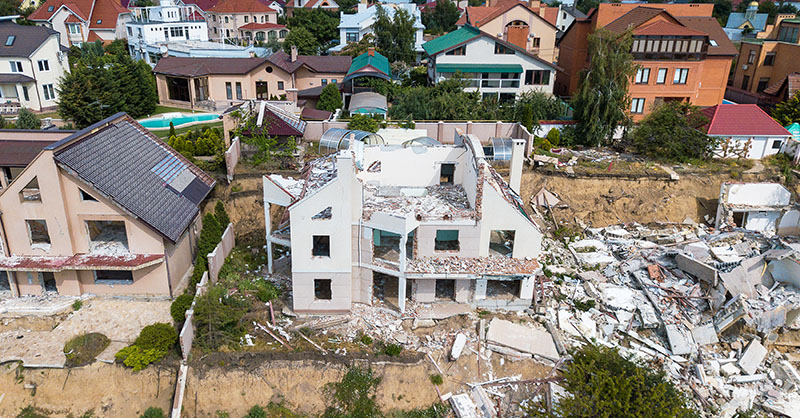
(741, 120)
(202, 4)
(267, 25)
(104, 11)
(73, 19)
(480, 15)
(242, 6)
(80, 262)
(666, 28)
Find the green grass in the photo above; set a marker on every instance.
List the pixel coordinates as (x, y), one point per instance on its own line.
(82, 349)
(166, 109)
(163, 133)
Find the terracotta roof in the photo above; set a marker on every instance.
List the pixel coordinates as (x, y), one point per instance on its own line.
(741, 119)
(551, 15)
(105, 14)
(267, 25)
(80, 262)
(14, 153)
(634, 18)
(711, 26)
(195, 67)
(73, 19)
(480, 15)
(242, 6)
(104, 11)
(791, 81)
(666, 28)
(320, 64)
(315, 3)
(202, 4)
(48, 8)
(93, 36)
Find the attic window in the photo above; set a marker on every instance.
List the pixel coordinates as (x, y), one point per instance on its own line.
(50, 9)
(86, 196)
(31, 193)
(99, 21)
(713, 42)
(10, 40)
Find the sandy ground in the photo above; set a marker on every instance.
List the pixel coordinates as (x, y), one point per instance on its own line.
(120, 320)
(110, 390)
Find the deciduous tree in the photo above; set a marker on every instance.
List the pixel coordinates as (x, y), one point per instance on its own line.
(442, 18)
(303, 39)
(27, 120)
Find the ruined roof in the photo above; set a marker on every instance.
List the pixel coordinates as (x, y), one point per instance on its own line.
(500, 266)
(741, 120)
(432, 202)
(137, 171)
(80, 262)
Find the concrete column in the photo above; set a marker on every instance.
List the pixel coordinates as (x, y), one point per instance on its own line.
(526, 288)
(480, 289)
(469, 127)
(440, 132)
(517, 158)
(463, 289)
(401, 293)
(267, 228)
(498, 129)
(426, 291)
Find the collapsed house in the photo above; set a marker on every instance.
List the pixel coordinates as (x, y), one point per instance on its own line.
(110, 209)
(763, 207)
(425, 223)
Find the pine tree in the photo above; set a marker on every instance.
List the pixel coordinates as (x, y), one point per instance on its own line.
(221, 214)
(171, 129)
(330, 99)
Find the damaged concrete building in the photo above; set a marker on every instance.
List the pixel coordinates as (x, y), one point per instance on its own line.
(110, 209)
(762, 207)
(390, 222)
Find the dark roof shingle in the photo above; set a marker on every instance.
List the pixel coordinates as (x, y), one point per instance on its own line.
(15, 153)
(27, 38)
(136, 170)
(320, 64)
(196, 67)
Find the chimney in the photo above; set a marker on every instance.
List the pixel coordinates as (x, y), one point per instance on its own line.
(535, 5)
(362, 6)
(517, 157)
(371, 51)
(294, 54)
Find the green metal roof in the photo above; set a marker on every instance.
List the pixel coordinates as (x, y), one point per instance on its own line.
(463, 34)
(479, 68)
(378, 61)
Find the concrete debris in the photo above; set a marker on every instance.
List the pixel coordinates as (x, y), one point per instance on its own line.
(752, 357)
(521, 338)
(458, 346)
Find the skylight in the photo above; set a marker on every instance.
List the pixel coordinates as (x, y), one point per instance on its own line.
(99, 21)
(50, 9)
(713, 43)
(10, 40)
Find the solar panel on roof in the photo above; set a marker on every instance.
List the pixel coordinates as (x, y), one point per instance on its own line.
(168, 168)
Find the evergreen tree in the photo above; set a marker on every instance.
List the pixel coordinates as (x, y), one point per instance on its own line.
(788, 112)
(324, 25)
(442, 18)
(171, 129)
(601, 102)
(670, 132)
(222, 215)
(330, 99)
(27, 120)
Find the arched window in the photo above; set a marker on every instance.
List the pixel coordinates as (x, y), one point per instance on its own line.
(259, 36)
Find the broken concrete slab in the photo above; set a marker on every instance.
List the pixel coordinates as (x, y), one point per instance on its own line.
(744, 278)
(771, 319)
(444, 311)
(680, 339)
(752, 357)
(705, 334)
(697, 269)
(522, 338)
(458, 346)
(463, 406)
(729, 369)
(730, 314)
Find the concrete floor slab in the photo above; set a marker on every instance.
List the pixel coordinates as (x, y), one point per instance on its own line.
(120, 320)
(522, 338)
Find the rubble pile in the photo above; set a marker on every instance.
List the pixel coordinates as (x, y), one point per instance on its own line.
(432, 202)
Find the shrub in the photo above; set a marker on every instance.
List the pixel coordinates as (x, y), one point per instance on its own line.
(83, 349)
(363, 123)
(218, 318)
(153, 412)
(27, 120)
(330, 99)
(256, 412)
(159, 336)
(354, 395)
(392, 350)
(222, 216)
(179, 307)
(365, 339)
(670, 133)
(138, 358)
(77, 305)
(554, 136)
(266, 291)
(31, 411)
(436, 379)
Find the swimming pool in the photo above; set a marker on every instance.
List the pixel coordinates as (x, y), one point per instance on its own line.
(177, 119)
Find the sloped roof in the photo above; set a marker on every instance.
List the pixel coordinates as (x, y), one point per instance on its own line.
(26, 39)
(101, 14)
(105, 14)
(315, 114)
(204, 5)
(791, 81)
(280, 123)
(711, 26)
(16, 153)
(137, 171)
(666, 28)
(741, 120)
(48, 8)
(480, 15)
(635, 17)
(320, 64)
(241, 6)
(196, 67)
(372, 59)
(265, 25)
(450, 40)
(737, 19)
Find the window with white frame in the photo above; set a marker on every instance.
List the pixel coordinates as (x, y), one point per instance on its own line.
(74, 28)
(661, 77)
(16, 66)
(681, 74)
(642, 75)
(637, 106)
(49, 92)
(44, 65)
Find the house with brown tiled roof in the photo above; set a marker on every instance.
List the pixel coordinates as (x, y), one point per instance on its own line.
(83, 20)
(218, 83)
(681, 52)
(529, 25)
(227, 18)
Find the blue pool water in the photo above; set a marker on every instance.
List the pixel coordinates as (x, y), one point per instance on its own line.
(177, 120)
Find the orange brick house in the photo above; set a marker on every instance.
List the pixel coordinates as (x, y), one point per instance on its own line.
(681, 52)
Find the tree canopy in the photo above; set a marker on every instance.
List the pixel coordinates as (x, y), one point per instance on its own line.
(355, 49)
(394, 36)
(601, 102)
(100, 85)
(330, 99)
(442, 18)
(671, 133)
(788, 111)
(323, 25)
(303, 39)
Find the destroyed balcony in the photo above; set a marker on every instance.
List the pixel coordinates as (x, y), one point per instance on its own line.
(282, 236)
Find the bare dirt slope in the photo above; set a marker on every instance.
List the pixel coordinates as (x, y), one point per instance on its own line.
(602, 202)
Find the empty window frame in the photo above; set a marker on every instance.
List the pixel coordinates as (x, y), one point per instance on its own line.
(681, 75)
(637, 105)
(462, 50)
(446, 240)
(642, 76)
(501, 243)
(113, 277)
(86, 197)
(763, 83)
(37, 232)
(777, 144)
(537, 77)
(321, 246)
(322, 289)
(107, 236)
(447, 173)
(661, 77)
(751, 57)
(323, 215)
(500, 49)
(769, 59)
(31, 192)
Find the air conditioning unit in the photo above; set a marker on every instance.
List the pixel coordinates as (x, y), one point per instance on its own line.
(745, 67)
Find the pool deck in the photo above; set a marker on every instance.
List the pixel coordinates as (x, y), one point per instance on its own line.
(179, 114)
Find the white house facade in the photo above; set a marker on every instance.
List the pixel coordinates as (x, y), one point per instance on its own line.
(490, 66)
(353, 27)
(32, 62)
(151, 30)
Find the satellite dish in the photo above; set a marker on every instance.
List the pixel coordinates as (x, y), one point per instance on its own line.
(163, 49)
